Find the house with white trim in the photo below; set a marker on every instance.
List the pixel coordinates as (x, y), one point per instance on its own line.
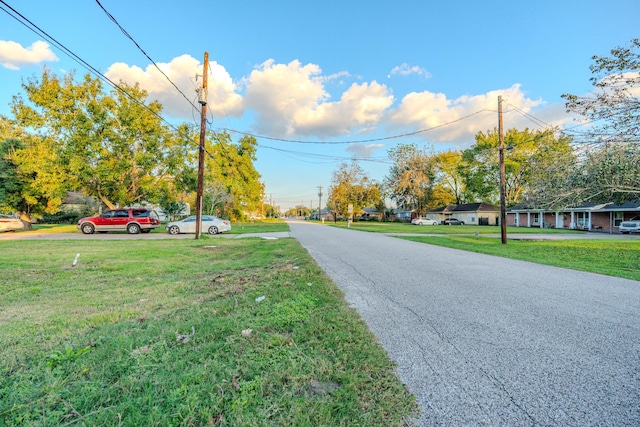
(588, 216)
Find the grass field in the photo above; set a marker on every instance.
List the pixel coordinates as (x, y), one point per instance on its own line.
(620, 258)
(229, 332)
(403, 227)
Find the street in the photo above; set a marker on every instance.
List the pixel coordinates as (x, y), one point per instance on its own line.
(489, 341)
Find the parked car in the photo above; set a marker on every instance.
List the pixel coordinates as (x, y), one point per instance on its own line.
(630, 226)
(210, 224)
(424, 221)
(131, 220)
(11, 223)
(452, 221)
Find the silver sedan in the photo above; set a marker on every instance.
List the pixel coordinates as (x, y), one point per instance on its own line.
(210, 224)
(424, 221)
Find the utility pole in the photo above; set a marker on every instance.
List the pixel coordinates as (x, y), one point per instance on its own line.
(202, 99)
(319, 201)
(503, 207)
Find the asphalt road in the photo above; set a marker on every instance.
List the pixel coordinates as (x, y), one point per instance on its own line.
(488, 341)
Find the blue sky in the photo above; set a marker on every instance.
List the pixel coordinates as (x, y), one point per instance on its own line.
(333, 72)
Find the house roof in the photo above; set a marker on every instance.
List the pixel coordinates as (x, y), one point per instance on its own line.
(467, 207)
(476, 207)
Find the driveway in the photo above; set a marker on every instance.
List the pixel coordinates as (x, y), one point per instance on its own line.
(488, 341)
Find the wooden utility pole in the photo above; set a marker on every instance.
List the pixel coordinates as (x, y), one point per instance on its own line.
(503, 207)
(320, 202)
(202, 99)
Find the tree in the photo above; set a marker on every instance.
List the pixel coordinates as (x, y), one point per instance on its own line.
(410, 179)
(449, 177)
(614, 104)
(351, 185)
(609, 168)
(528, 154)
(231, 165)
(32, 179)
(110, 145)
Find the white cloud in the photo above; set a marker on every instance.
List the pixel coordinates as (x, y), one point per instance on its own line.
(448, 117)
(362, 150)
(291, 99)
(406, 69)
(222, 99)
(13, 55)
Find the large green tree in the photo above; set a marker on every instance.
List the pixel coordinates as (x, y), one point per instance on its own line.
(410, 179)
(232, 181)
(350, 185)
(529, 156)
(111, 145)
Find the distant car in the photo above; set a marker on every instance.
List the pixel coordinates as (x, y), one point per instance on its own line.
(210, 224)
(630, 226)
(11, 223)
(424, 221)
(452, 221)
(131, 220)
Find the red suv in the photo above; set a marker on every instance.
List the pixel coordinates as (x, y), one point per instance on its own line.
(131, 220)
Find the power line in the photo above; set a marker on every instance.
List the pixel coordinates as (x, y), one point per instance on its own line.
(361, 141)
(115, 21)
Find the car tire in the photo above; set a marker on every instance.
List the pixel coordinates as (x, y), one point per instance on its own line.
(213, 230)
(133, 229)
(174, 229)
(87, 228)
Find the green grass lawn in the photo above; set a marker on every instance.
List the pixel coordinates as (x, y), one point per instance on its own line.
(176, 333)
(612, 257)
(403, 227)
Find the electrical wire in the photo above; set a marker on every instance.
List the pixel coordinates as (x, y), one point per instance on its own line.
(115, 21)
(360, 141)
(325, 157)
(40, 32)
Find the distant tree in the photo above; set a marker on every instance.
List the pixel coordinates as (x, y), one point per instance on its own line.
(410, 179)
(449, 177)
(613, 108)
(527, 154)
(351, 185)
(217, 199)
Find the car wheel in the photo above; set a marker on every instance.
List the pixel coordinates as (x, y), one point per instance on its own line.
(174, 230)
(133, 229)
(213, 230)
(87, 228)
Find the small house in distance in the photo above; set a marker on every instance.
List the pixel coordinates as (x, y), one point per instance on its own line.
(479, 213)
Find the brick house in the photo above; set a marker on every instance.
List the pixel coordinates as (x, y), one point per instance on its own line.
(588, 216)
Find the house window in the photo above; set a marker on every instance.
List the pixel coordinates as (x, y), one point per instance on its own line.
(536, 218)
(583, 220)
(617, 218)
